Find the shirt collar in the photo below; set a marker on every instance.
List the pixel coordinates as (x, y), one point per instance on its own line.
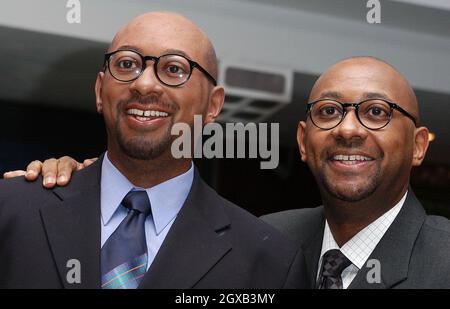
(360, 247)
(166, 198)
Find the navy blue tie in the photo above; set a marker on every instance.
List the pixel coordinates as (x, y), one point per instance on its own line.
(124, 255)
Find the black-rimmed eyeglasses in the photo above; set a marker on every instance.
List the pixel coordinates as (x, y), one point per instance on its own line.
(170, 69)
(374, 114)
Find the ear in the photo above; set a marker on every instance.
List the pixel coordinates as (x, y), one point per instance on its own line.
(216, 101)
(421, 143)
(301, 136)
(98, 92)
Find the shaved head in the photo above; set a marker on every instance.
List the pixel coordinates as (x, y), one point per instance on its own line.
(164, 92)
(173, 25)
(355, 165)
(367, 69)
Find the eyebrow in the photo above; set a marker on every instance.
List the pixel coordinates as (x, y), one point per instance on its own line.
(331, 95)
(178, 52)
(165, 52)
(366, 95)
(376, 95)
(130, 47)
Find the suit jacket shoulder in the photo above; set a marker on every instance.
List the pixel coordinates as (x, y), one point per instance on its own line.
(430, 257)
(437, 224)
(42, 230)
(18, 190)
(305, 228)
(298, 224)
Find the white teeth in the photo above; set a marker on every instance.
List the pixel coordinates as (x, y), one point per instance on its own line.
(141, 113)
(351, 158)
(135, 111)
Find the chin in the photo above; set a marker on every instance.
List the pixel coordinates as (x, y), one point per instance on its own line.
(144, 148)
(350, 191)
(350, 195)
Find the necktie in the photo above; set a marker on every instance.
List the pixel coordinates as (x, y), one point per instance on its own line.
(124, 255)
(333, 263)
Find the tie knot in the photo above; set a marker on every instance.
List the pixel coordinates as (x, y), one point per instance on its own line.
(334, 262)
(137, 200)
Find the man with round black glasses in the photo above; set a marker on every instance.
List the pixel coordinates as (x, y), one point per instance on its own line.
(138, 217)
(360, 139)
(172, 69)
(374, 114)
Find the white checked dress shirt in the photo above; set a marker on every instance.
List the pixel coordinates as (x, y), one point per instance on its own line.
(360, 247)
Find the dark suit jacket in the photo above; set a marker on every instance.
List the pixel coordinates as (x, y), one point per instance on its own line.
(212, 243)
(414, 252)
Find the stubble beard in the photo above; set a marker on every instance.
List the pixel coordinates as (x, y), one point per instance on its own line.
(351, 193)
(142, 147)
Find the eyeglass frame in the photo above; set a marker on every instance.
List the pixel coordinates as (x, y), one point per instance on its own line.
(392, 106)
(155, 60)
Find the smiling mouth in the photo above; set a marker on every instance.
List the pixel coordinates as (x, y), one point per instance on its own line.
(350, 159)
(146, 115)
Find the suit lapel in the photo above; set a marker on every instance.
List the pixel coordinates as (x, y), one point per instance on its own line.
(395, 247)
(313, 245)
(72, 225)
(194, 243)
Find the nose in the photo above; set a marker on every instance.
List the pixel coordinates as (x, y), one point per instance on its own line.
(147, 83)
(350, 128)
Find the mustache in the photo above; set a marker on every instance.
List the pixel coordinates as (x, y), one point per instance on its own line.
(149, 100)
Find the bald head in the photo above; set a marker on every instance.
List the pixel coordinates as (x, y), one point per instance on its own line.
(171, 31)
(365, 77)
(361, 156)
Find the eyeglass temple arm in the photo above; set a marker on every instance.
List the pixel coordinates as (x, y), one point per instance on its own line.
(198, 66)
(404, 112)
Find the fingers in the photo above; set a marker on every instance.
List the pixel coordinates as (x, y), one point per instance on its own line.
(88, 162)
(13, 174)
(31, 174)
(49, 172)
(33, 170)
(54, 171)
(66, 166)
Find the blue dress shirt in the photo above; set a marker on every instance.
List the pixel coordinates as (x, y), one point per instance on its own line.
(166, 200)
